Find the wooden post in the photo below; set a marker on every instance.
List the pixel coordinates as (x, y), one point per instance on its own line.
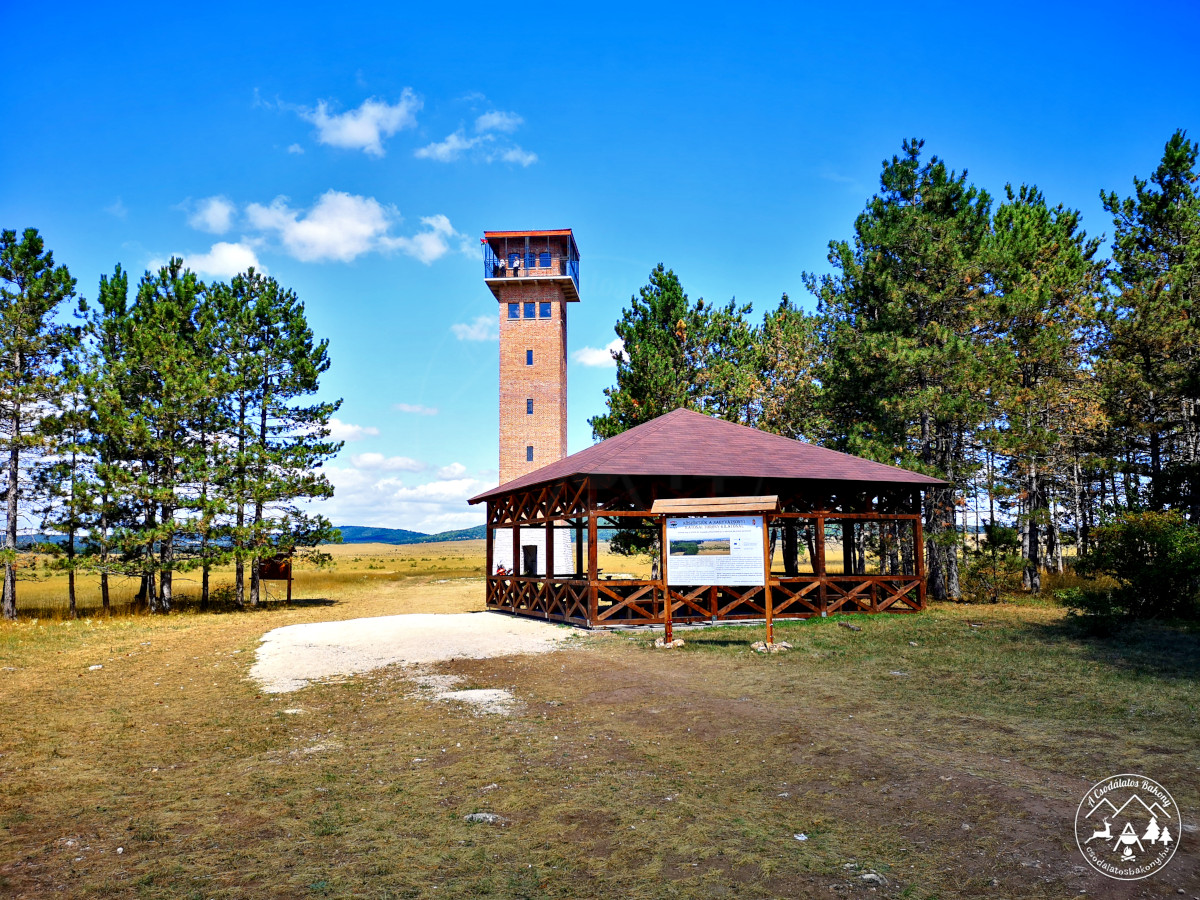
(548, 588)
(919, 558)
(491, 553)
(593, 564)
(516, 539)
(819, 539)
(767, 579)
(662, 549)
(289, 565)
(579, 535)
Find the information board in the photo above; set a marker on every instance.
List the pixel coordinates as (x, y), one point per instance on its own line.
(726, 551)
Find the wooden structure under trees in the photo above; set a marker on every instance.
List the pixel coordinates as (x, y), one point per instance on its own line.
(844, 534)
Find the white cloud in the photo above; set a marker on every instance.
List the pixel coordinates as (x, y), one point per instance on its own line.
(387, 463)
(519, 156)
(340, 226)
(457, 144)
(344, 431)
(117, 208)
(343, 226)
(378, 498)
(496, 120)
(454, 470)
(212, 214)
(366, 127)
(450, 149)
(223, 260)
(295, 148)
(599, 357)
(483, 328)
(415, 408)
(427, 245)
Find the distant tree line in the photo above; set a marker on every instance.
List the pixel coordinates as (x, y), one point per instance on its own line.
(988, 344)
(165, 428)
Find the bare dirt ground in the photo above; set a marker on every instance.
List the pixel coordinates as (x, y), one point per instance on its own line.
(944, 759)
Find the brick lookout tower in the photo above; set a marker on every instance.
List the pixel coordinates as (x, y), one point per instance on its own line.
(533, 275)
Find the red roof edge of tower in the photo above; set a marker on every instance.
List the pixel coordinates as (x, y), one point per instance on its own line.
(488, 236)
(551, 232)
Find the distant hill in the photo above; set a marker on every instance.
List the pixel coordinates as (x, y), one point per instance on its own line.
(359, 534)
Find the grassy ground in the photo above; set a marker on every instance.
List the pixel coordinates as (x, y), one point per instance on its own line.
(947, 758)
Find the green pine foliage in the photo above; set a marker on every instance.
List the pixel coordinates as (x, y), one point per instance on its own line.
(1150, 347)
(32, 290)
(172, 431)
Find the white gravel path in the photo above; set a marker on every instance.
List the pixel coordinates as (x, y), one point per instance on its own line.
(291, 657)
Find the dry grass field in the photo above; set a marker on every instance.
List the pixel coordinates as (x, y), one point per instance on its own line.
(945, 752)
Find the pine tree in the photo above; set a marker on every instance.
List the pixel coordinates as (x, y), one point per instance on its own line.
(274, 362)
(903, 376)
(111, 393)
(170, 376)
(32, 288)
(67, 482)
(790, 356)
(654, 375)
(1151, 352)
(233, 306)
(1045, 284)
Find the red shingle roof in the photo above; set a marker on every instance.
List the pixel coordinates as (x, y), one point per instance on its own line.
(685, 442)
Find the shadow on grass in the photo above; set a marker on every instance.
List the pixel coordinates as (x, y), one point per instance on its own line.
(1149, 649)
(183, 606)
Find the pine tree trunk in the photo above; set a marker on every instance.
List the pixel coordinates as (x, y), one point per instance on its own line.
(240, 542)
(908, 553)
(1077, 503)
(10, 534)
(1056, 535)
(1032, 576)
(150, 583)
(166, 577)
(790, 567)
(255, 579)
(74, 612)
(167, 556)
(204, 521)
(104, 596)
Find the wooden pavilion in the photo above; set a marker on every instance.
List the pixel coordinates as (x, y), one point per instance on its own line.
(839, 534)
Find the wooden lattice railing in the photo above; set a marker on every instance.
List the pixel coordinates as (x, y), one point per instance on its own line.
(640, 602)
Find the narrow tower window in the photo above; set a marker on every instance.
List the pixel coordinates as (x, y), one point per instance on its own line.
(514, 310)
(544, 310)
(529, 357)
(529, 407)
(544, 259)
(529, 310)
(529, 453)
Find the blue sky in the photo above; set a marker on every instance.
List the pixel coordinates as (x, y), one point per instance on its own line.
(357, 154)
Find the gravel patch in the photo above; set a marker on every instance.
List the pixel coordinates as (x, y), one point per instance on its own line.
(481, 701)
(292, 657)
